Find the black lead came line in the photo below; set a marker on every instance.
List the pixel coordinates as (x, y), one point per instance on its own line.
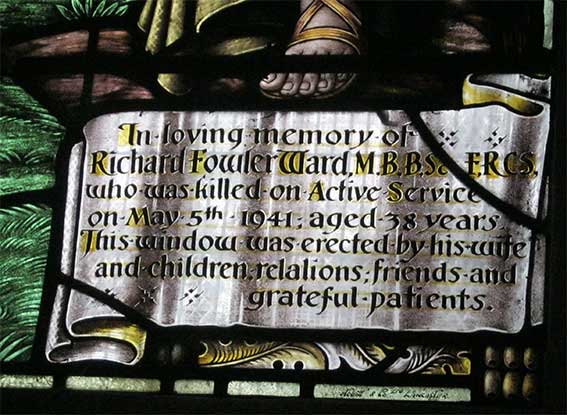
(128, 312)
(504, 207)
(201, 66)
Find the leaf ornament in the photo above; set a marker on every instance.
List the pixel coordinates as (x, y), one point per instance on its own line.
(261, 355)
(431, 361)
(357, 356)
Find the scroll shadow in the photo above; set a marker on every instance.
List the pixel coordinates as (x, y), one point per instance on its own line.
(128, 312)
(504, 207)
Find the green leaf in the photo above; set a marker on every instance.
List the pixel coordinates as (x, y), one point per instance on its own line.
(88, 7)
(110, 10)
(98, 11)
(9, 156)
(121, 11)
(17, 353)
(78, 7)
(11, 347)
(65, 12)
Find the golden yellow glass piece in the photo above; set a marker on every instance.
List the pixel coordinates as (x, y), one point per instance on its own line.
(512, 385)
(529, 387)
(492, 384)
(124, 331)
(512, 357)
(263, 354)
(530, 358)
(477, 93)
(492, 357)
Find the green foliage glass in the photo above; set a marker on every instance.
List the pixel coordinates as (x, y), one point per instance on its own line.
(92, 9)
(24, 239)
(29, 139)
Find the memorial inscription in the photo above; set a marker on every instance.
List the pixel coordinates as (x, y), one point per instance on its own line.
(304, 220)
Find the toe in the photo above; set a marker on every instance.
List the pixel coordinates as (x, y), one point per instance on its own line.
(273, 82)
(309, 84)
(327, 83)
(292, 84)
(269, 78)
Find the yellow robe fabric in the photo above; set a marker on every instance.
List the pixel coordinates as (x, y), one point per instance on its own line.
(166, 22)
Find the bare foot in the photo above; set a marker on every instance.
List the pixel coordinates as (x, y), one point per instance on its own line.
(325, 27)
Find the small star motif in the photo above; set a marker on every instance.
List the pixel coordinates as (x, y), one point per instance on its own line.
(191, 296)
(147, 296)
(495, 139)
(450, 138)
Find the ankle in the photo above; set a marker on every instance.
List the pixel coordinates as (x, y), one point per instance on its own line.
(351, 4)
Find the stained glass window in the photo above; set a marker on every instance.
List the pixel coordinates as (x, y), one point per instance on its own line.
(326, 205)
